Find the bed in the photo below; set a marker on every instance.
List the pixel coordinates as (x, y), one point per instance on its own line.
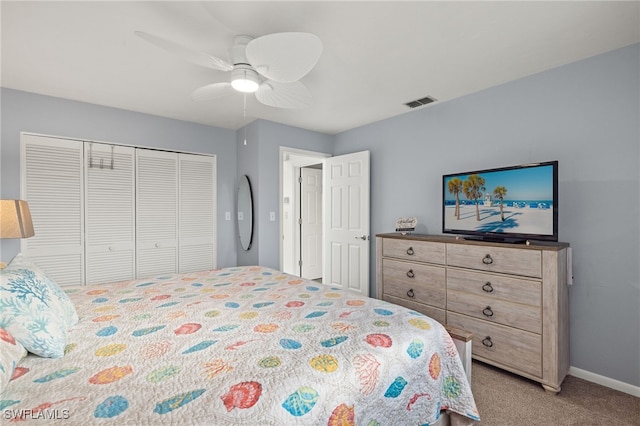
(240, 346)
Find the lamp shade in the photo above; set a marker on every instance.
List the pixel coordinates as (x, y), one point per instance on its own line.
(15, 219)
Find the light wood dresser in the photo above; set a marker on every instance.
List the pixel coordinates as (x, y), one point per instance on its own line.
(513, 298)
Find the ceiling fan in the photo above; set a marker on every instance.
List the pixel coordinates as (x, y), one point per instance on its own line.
(269, 66)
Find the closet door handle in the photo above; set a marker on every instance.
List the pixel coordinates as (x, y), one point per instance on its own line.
(410, 273)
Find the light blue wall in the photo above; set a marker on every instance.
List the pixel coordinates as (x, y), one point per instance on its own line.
(262, 152)
(587, 116)
(249, 164)
(28, 112)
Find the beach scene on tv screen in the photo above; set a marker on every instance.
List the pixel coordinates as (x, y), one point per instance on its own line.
(504, 201)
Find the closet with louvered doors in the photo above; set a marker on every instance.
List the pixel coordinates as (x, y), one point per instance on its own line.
(105, 212)
(175, 212)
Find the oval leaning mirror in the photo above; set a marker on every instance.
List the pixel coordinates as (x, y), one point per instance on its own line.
(245, 213)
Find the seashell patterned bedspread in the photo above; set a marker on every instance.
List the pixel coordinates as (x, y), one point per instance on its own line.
(241, 346)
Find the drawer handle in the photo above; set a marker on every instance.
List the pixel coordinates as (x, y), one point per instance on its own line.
(487, 287)
(487, 342)
(410, 274)
(411, 294)
(410, 251)
(487, 260)
(487, 312)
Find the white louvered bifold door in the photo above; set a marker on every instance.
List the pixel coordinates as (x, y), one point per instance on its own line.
(197, 214)
(156, 212)
(52, 182)
(110, 213)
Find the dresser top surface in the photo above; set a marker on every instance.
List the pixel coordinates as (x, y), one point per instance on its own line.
(533, 245)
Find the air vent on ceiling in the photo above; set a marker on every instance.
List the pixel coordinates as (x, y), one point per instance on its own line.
(420, 102)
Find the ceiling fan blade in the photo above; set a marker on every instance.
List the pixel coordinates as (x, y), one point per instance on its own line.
(284, 57)
(199, 58)
(212, 91)
(284, 95)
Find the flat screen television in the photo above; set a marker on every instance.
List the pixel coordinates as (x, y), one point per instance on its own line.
(509, 204)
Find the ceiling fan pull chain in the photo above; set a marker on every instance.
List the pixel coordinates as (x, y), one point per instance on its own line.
(244, 117)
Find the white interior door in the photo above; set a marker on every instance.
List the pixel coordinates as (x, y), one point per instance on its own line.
(197, 213)
(291, 160)
(156, 213)
(311, 222)
(110, 204)
(346, 221)
(52, 181)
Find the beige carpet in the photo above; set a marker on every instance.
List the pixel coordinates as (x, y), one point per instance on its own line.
(505, 399)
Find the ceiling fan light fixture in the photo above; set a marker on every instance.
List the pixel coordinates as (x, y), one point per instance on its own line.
(245, 80)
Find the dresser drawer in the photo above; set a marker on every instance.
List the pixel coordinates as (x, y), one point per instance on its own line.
(416, 251)
(524, 317)
(498, 287)
(413, 281)
(514, 261)
(435, 313)
(510, 347)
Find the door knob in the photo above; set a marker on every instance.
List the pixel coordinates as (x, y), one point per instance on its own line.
(364, 237)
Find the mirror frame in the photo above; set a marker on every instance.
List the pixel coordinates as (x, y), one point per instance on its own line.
(245, 196)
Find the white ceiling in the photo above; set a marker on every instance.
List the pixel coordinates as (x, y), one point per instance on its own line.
(376, 56)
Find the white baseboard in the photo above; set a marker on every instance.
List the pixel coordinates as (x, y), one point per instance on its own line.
(605, 381)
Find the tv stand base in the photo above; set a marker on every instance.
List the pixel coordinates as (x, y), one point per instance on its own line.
(497, 240)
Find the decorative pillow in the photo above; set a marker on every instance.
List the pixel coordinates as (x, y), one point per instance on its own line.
(11, 352)
(27, 312)
(60, 301)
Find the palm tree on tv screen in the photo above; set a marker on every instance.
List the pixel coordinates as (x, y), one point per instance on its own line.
(500, 192)
(473, 188)
(455, 188)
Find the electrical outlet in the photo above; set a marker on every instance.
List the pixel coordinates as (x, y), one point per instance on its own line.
(227, 215)
(272, 216)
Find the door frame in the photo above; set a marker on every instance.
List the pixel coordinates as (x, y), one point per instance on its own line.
(311, 229)
(292, 158)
